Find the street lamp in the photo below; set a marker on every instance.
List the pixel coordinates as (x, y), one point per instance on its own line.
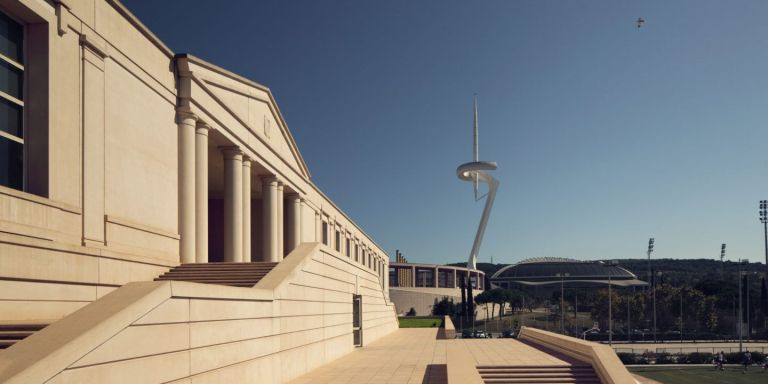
(562, 277)
(653, 289)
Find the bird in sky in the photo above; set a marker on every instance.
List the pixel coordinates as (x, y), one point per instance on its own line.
(640, 22)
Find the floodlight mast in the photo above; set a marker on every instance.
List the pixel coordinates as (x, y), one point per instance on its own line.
(476, 172)
(475, 146)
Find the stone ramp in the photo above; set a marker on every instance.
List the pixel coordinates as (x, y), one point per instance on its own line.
(232, 274)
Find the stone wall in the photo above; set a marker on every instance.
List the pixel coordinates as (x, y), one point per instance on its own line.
(297, 318)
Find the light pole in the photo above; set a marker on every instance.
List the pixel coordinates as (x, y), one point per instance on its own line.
(629, 328)
(764, 220)
(562, 277)
(653, 289)
(612, 263)
(681, 315)
(741, 315)
(651, 243)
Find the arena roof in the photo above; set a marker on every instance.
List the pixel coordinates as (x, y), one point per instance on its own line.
(552, 270)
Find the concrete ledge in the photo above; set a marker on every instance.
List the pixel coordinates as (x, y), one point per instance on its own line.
(461, 364)
(447, 331)
(602, 358)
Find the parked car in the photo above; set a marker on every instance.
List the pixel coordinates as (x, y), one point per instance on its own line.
(479, 334)
(508, 334)
(466, 334)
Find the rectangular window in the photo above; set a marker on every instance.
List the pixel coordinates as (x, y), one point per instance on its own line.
(337, 243)
(325, 233)
(11, 103)
(349, 253)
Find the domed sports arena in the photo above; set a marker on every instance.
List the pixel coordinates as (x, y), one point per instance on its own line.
(555, 270)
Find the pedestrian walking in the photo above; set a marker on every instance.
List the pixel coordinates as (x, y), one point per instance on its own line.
(746, 360)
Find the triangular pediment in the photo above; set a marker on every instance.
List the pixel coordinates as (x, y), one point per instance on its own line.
(248, 105)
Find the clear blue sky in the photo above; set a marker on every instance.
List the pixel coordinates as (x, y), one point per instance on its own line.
(605, 134)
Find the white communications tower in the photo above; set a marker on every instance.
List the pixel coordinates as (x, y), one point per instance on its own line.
(477, 171)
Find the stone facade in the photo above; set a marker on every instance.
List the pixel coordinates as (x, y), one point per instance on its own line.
(153, 159)
(136, 160)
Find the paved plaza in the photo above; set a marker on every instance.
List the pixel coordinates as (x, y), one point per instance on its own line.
(415, 356)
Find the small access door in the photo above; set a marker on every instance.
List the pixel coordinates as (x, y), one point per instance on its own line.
(357, 320)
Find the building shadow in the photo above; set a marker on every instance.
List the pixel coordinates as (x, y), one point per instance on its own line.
(436, 374)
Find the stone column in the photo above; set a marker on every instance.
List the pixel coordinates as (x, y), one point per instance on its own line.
(386, 279)
(186, 124)
(437, 277)
(269, 218)
(294, 221)
(318, 227)
(455, 276)
(201, 192)
(233, 204)
(246, 210)
(280, 221)
(413, 276)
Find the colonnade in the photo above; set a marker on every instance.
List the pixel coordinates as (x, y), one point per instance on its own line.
(429, 276)
(194, 199)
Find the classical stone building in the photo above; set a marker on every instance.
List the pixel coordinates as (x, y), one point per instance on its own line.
(121, 160)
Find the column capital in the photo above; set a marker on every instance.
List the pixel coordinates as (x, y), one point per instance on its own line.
(202, 127)
(246, 160)
(185, 114)
(268, 179)
(231, 151)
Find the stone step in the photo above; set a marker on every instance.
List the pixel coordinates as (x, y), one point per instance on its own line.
(208, 271)
(232, 274)
(224, 265)
(543, 370)
(541, 381)
(533, 366)
(13, 332)
(5, 326)
(538, 374)
(14, 335)
(212, 280)
(237, 275)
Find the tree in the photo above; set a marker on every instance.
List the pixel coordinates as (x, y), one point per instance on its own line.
(444, 307)
(483, 298)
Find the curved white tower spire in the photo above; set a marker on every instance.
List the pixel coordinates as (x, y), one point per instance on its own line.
(477, 171)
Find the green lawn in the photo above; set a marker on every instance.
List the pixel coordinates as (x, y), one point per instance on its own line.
(420, 322)
(702, 375)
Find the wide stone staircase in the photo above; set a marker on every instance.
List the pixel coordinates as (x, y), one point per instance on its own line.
(13, 332)
(233, 274)
(536, 374)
